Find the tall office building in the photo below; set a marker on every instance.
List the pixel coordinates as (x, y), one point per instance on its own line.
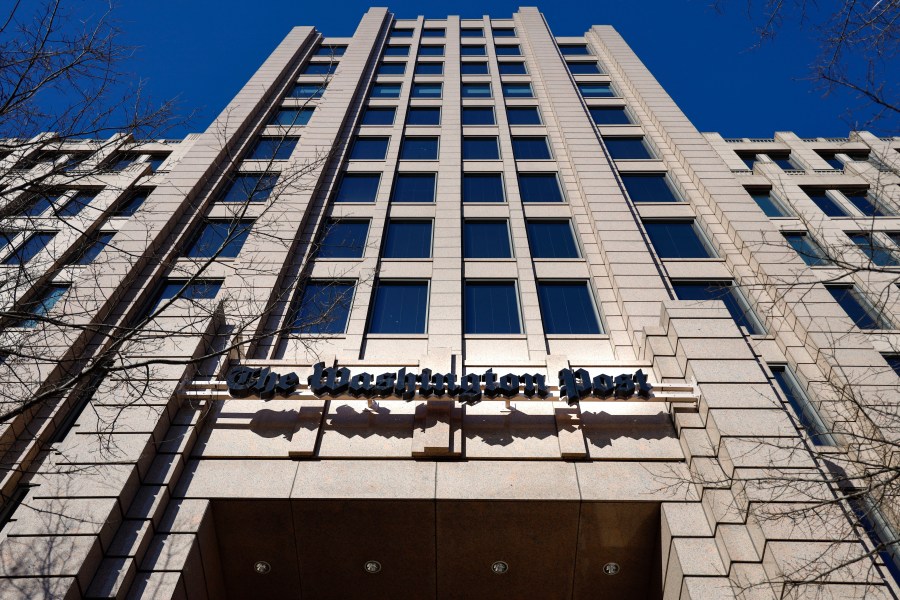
(452, 308)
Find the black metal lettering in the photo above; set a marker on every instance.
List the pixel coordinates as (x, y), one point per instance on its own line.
(603, 386)
(624, 386)
(361, 385)
(240, 381)
(509, 385)
(535, 384)
(406, 384)
(384, 384)
(643, 388)
(574, 385)
(471, 389)
(490, 384)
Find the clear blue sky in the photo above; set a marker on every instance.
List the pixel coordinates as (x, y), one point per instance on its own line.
(203, 51)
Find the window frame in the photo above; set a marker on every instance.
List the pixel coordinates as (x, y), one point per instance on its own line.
(481, 281)
(327, 226)
(529, 222)
(520, 138)
(392, 221)
(415, 138)
(374, 302)
(563, 199)
(704, 242)
(509, 241)
(297, 303)
(592, 299)
(483, 139)
(355, 174)
(413, 174)
(475, 175)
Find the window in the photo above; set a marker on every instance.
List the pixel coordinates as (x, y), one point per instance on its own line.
(832, 160)
(385, 90)
(321, 68)
(567, 308)
(219, 237)
(76, 204)
(480, 148)
(893, 361)
(308, 90)
(396, 51)
(286, 117)
(273, 148)
(867, 204)
(749, 159)
(782, 160)
(769, 205)
(895, 237)
(471, 32)
(407, 239)
(399, 307)
(803, 409)
(473, 68)
(431, 50)
(878, 253)
(483, 187)
(426, 90)
(511, 50)
(531, 148)
(523, 115)
(721, 290)
(517, 90)
(653, 187)
(513, 68)
(343, 239)
(132, 202)
(596, 90)
(627, 148)
(419, 148)
(391, 69)
(486, 239)
(551, 239)
(379, 115)
(423, 115)
(873, 521)
(610, 116)
(472, 51)
(539, 187)
(476, 90)
(430, 68)
(478, 115)
(91, 247)
(29, 249)
(369, 148)
(182, 289)
(250, 187)
(74, 161)
(574, 49)
(37, 205)
(857, 308)
(323, 308)
(677, 239)
(491, 307)
(156, 161)
(358, 187)
(504, 32)
(432, 32)
(807, 248)
(331, 50)
(401, 32)
(584, 68)
(826, 204)
(42, 304)
(414, 187)
(121, 161)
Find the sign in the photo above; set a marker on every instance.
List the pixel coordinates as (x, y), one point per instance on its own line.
(574, 384)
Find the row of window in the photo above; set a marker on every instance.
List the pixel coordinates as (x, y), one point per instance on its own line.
(73, 161)
(434, 90)
(874, 245)
(64, 205)
(336, 50)
(832, 202)
(788, 162)
(433, 32)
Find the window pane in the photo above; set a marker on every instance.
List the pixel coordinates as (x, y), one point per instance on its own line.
(539, 187)
(480, 148)
(408, 239)
(473, 68)
(832, 160)
(323, 308)
(491, 307)
(504, 32)
(476, 90)
(331, 50)
(91, 248)
(121, 161)
(396, 51)
(627, 148)
(308, 90)
(512, 68)
(584, 68)
(225, 237)
(803, 409)
(29, 249)
(808, 250)
(322, 68)
(720, 290)
(401, 32)
(198, 289)
(419, 148)
(392, 69)
(893, 360)
(132, 202)
(649, 188)
(855, 307)
(379, 116)
(574, 49)
(523, 115)
(431, 32)
(478, 115)
(471, 32)
(517, 90)
(343, 239)
(413, 187)
(531, 148)
(358, 187)
(877, 252)
(287, 117)
(566, 307)
(273, 148)
(42, 304)
(426, 90)
(431, 50)
(429, 68)
(866, 204)
(486, 239)
(784, 161)
(768, 205)
(676, 240)
(551, 239)
(255, 187)
(386, 90)
(472, 51)
(483, 187)
(596, 90)
(37, 205)
(399, 307)
(422, 115)
(826, 204)
(369, 148)
(76, 204)
(507, 51)
(610, 116)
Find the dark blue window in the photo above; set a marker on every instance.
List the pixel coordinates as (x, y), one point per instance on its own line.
(539, 187)
(512, 68)
(551, 239)
(874, 522)
(76, 204)
(769, 206)
(426, 90)
(399, 307)
(749, 159)
(156, 161)
(574, 49)
(419, 148)
(783, 160)
(471, 32)
(878, 253)
(369, 148)
(567, 307)
(401, 32)
(331, 50)
(531, 148)
(379, 115)
(596, 90)
(480, 148)
(473, 68)
(491, 307)
(91, 248)
(287, 117)
(323, 308)
(584, 68)
(414, 187)
(392, 69)
(652, 187)
(197, 289)
(856, 308)
(36, 206)
(472, 51)
(386, 90)
(476, 90)
(511, 50)
(423, 115)
(826, 204)
(517, 90)
(358, 187)
(610, 116)
(893, 360)
(121, 161)
(523, 115)
(678, 239)
(132, 202)
(222, 238)
(478, 115)
(431, 50)
(627, 148)
(504, 32)
(29, 249)
(308, 90)
(343, 239)
(253, 187)
(724, 291)
(867, 204)
(483, 187)
(486, 239)
(322, 68)
(396, 51)
(807, 248)
(408, 239)
(833, 161)
(802, 407)
(42, 304)
(430, 68)
(273, 148)
(432, 32)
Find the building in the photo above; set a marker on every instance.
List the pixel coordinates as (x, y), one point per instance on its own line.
(516, 212)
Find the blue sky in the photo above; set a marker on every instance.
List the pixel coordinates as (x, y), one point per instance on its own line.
(203, 51)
